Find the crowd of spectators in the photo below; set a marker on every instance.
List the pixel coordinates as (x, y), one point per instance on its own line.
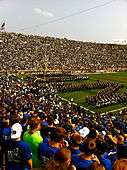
(28, 52)
(40, 131)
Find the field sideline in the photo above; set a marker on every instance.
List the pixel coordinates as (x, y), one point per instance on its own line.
(79, 96)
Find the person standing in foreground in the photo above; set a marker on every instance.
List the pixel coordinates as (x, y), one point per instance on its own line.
(33, 138)
(19, 155)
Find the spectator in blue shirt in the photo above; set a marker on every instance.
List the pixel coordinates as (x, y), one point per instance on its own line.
(19, 155)
(85, 159)
(75, 142)
(48, 149)
(103, 154)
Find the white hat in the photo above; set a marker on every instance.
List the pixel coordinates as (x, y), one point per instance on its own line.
(84, 132)
(103, 133)
(16, 131)
(56, 122)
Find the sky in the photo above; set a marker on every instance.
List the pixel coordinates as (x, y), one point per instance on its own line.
(85, 20)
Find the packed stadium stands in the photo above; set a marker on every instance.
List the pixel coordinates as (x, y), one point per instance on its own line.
(25, 52)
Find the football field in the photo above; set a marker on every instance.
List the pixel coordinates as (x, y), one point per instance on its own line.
(79, 97)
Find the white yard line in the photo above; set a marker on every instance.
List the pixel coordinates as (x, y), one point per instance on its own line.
(114, 110)
(76, 104)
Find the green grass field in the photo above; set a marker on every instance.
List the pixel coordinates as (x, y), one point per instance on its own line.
(79, 96)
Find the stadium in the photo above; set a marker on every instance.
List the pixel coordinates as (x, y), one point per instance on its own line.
(71, 76)
(63, 101)
(46, 57)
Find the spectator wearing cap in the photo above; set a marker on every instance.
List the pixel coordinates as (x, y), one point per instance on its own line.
(84, 132)
(60, 161)
(19, 155)
(33, 138)
(85, 159)
(48, 149)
